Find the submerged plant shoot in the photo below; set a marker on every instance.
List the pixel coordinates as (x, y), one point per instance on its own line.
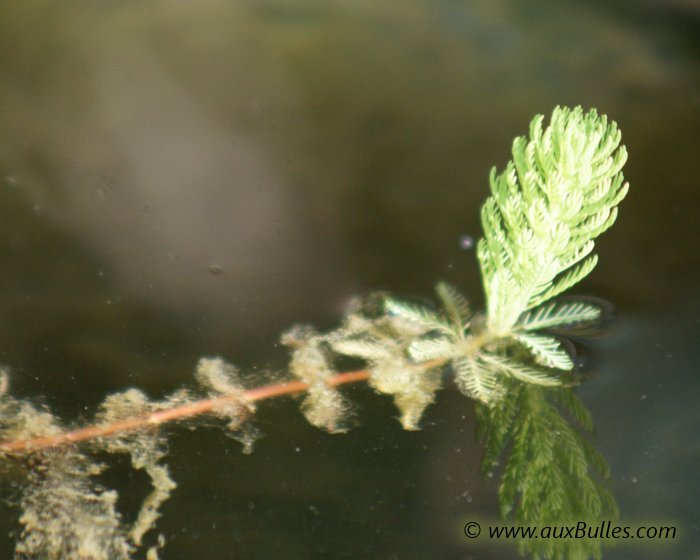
(546, 209)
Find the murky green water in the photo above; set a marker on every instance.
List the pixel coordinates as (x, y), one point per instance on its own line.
(186, 179)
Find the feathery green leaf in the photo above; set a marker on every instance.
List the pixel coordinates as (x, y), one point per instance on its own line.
(455, 304)
(426, 349)
(558, 193)
(552, 475)
(475, 380)
(547, 350)
(558, 315)
(521, 372)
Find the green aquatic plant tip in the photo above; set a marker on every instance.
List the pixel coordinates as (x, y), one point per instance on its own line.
(558, 193)
(554, 198)
(546, 209)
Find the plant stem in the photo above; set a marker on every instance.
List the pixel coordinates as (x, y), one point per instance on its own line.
(159, 417)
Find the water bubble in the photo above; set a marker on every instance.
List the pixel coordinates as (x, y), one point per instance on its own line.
(467, 496)
(466, 242)
(215, 269)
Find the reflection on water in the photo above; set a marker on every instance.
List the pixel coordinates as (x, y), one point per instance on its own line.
(187, 179)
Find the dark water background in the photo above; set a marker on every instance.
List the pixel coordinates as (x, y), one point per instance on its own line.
(187, 179)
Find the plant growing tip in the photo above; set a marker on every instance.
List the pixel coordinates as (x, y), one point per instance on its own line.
(558, 193)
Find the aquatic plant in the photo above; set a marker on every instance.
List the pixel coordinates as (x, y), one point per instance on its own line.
(553, 199)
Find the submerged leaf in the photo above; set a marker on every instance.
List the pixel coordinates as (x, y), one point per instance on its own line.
(558, 315)
(547, 350)
(323, 406)
(455, 304)
(366, 348)
(553, 475)
(476, 380)
(521, 372)
(414, 314)
(413, 388)
(426, 349)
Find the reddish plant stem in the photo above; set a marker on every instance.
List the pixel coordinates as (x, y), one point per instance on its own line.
(172, 414)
